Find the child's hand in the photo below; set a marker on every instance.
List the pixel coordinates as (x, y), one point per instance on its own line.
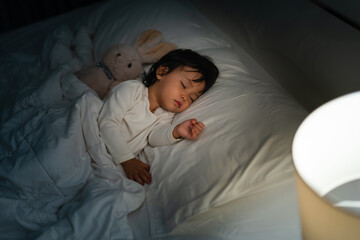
(188, 129)
(137, 170)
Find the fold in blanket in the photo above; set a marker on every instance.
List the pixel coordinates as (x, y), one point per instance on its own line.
(54, 168)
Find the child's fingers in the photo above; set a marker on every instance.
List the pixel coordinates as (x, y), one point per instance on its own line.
(195, 132)
(146, 176)
(146, 179)
(201, 125)
(138, 179)
(198, 123)
(198, 127)
(147, 166)
(193, 121)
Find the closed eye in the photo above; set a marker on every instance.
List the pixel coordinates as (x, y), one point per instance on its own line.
(183, 85)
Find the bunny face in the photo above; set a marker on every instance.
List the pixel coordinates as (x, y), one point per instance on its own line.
(123, 61)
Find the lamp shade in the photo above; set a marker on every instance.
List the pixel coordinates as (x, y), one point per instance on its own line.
(326, 147)
(326, 153)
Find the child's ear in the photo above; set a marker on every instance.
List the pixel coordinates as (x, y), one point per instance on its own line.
(161, 71)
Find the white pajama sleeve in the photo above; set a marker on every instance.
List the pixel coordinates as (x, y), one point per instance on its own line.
(110, 118)
(161, 134)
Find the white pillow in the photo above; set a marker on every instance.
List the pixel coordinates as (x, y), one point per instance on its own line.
(250, 123)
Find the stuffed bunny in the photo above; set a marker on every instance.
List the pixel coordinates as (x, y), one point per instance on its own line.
(124, 62)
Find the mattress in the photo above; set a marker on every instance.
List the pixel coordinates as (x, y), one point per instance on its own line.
(235, 182)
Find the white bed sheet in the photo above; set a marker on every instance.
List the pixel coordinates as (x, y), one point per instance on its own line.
(268, 211)
(250, 122)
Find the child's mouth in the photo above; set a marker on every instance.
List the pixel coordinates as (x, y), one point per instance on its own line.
(178, 103)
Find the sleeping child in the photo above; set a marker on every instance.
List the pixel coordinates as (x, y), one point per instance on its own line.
(139, 113)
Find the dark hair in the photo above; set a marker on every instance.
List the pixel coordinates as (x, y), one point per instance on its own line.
(184, 58)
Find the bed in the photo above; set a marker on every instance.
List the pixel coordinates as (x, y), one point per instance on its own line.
(235, 182)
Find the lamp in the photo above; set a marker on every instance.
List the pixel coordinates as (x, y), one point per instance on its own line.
(326, 153)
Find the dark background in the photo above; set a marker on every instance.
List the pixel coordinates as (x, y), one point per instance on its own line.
(18, 13)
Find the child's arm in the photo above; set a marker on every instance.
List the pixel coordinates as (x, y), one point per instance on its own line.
(111, 115)
(165, 133)
(188, 129)
(110, 118)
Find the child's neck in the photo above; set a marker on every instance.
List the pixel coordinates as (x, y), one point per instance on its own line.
(152, 99)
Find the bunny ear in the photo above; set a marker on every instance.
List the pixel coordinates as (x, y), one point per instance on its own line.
(149, 38)
(153, 54)
(151, 47)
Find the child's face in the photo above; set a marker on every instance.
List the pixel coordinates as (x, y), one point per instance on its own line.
(176, 91)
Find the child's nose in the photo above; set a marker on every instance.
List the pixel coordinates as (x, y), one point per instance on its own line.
(185, 98)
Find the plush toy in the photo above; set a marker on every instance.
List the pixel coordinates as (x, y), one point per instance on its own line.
(124, 62)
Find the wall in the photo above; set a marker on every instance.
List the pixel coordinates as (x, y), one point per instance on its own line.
(312, 53)
(19, 13)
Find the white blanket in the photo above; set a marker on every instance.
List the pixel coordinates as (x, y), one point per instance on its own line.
(48, 187)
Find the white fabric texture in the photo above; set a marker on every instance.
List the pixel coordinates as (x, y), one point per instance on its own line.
(249, 125)
(126, 121)
(48, 166)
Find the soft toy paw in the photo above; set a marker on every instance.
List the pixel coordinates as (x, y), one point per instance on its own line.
(123, 62)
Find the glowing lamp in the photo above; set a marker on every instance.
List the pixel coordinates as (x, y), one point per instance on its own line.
(326, 153)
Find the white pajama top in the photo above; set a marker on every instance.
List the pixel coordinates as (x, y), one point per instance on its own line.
(127, 125)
